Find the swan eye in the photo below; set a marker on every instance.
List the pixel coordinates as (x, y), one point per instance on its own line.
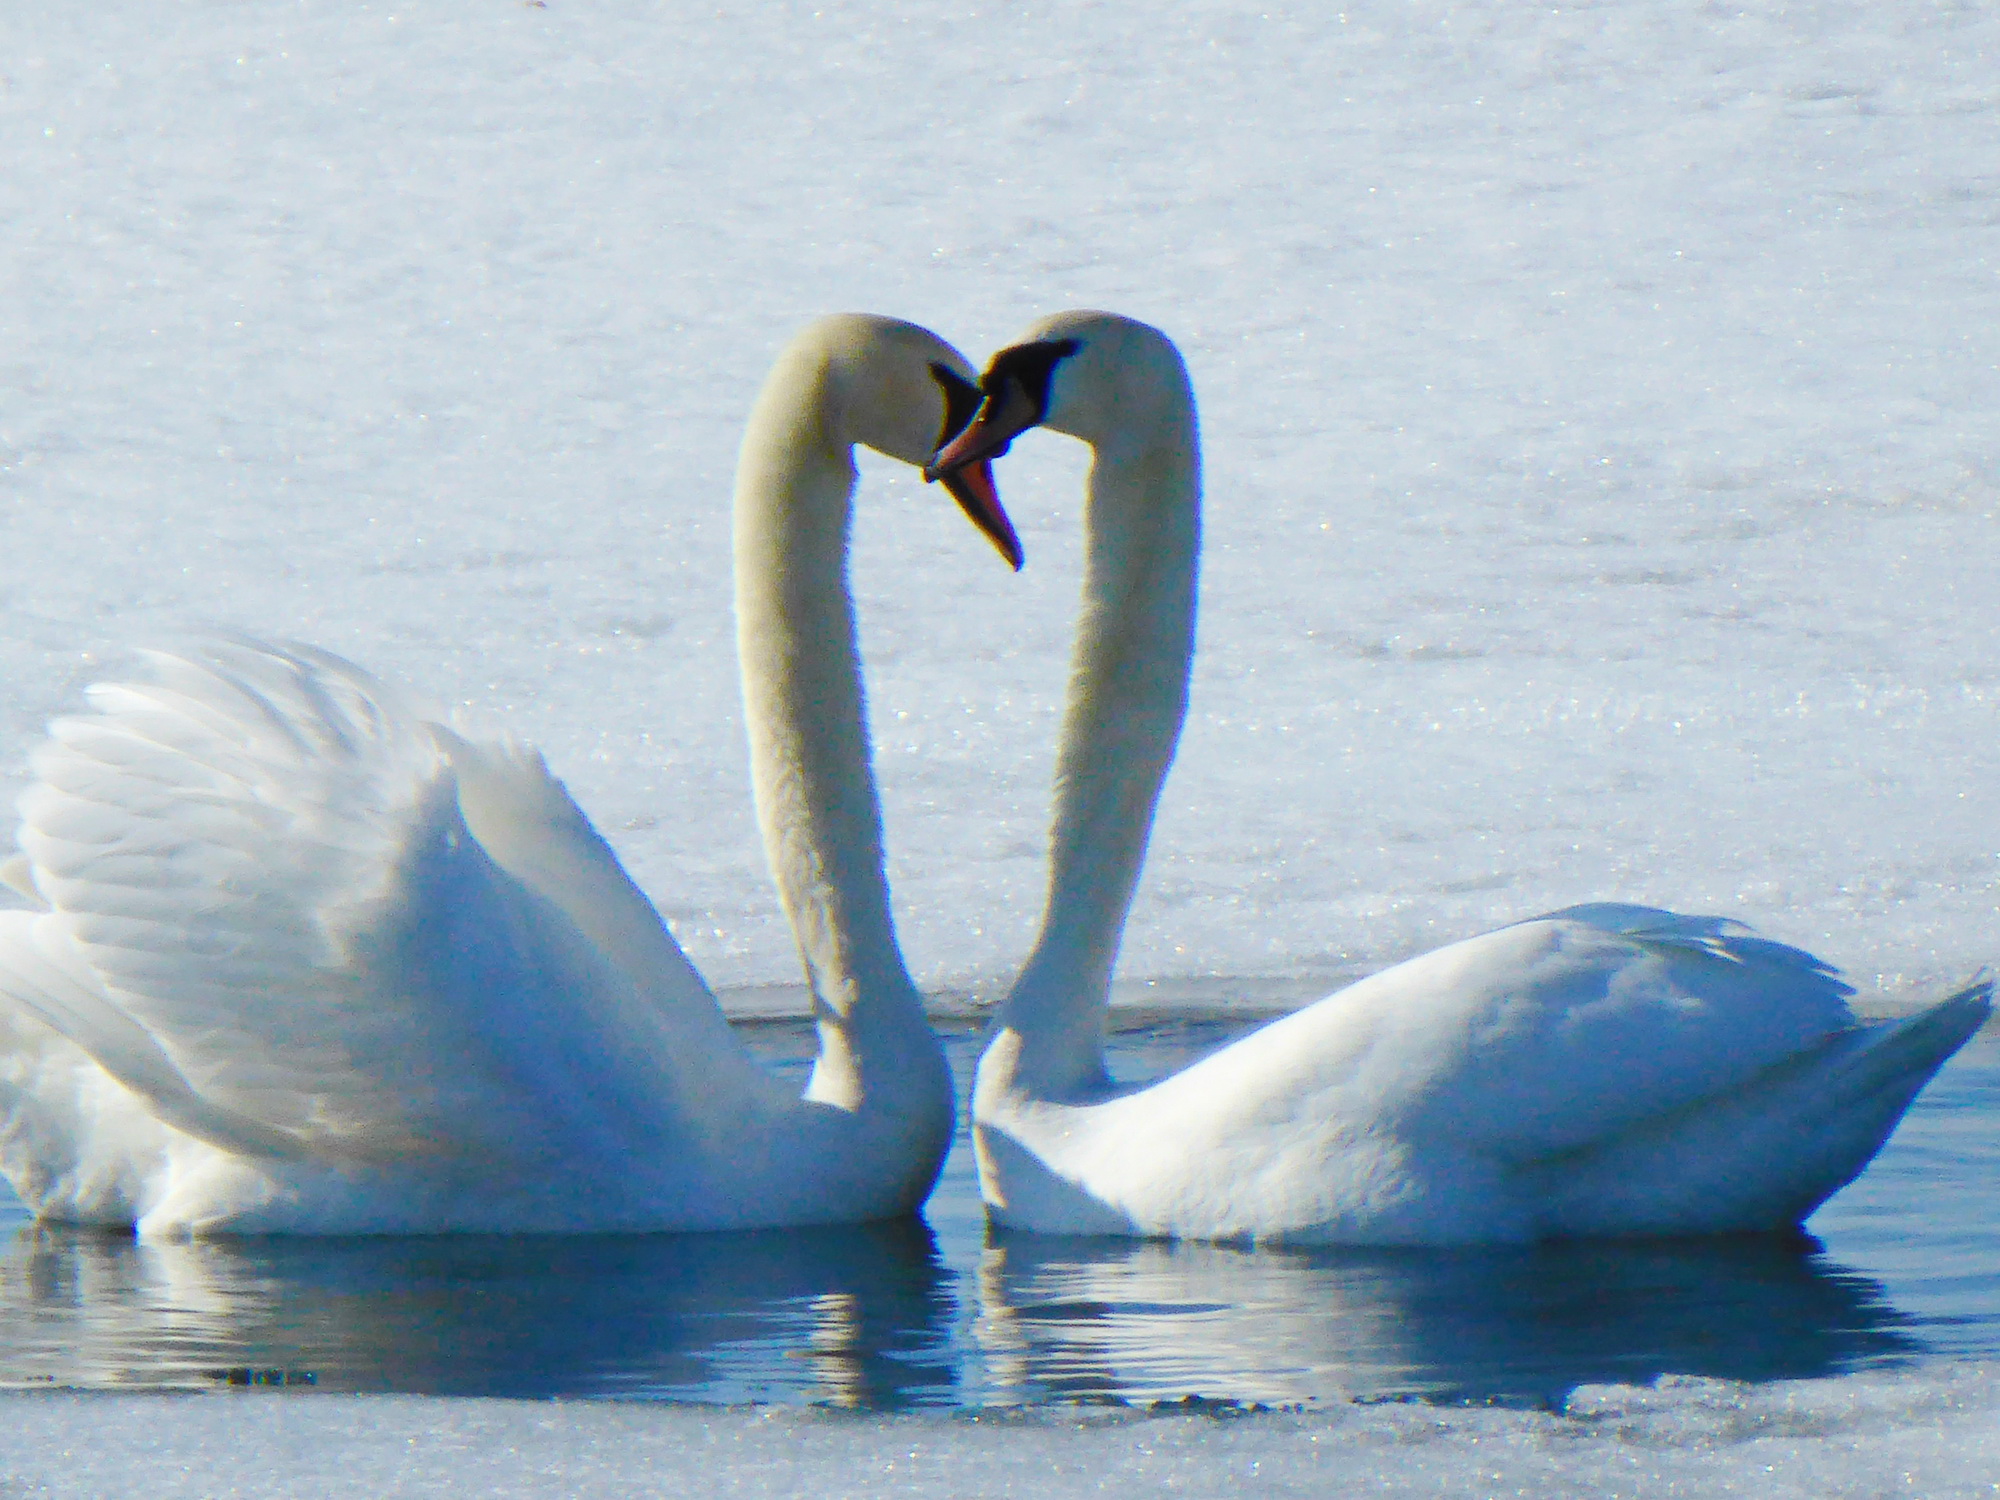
(961, 403)
(1032, 367)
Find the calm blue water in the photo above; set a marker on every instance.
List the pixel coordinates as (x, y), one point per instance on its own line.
(1904, 1266)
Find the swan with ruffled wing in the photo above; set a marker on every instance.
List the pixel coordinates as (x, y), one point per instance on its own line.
(301, 960)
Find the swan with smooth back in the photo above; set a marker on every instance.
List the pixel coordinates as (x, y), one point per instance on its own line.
(1602, 1070)
(301, 961)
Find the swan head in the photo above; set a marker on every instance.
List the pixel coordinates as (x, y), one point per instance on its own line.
(906, 393)
(1096, 376)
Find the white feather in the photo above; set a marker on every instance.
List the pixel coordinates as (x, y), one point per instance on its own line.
(1607, 1069)
(304, 960)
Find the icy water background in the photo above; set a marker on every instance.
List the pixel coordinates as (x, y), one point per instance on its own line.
(1601, 404)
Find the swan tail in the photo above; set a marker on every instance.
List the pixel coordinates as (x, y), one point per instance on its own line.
(1767, 1152)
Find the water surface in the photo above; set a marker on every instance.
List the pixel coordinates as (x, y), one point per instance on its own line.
(1902, 1267)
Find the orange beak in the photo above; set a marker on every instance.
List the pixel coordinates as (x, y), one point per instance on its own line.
(1003, 416)
(972, 487)
(970, 480)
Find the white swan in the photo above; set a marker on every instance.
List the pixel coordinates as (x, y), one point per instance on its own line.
(1605, 1070)
(306, 963)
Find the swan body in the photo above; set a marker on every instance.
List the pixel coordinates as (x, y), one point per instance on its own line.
(300, 960)
(1603, 1070)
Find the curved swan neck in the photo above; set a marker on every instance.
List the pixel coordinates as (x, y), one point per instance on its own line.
(809, 754)
(1127, 701)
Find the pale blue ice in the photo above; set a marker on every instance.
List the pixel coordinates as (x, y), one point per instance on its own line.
(1601, 405)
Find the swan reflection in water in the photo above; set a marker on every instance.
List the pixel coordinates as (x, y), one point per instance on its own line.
(853, 1316)
(868, 1317)
(1083, 1318)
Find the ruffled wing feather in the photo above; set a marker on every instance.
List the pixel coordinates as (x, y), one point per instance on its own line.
(278, 927)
